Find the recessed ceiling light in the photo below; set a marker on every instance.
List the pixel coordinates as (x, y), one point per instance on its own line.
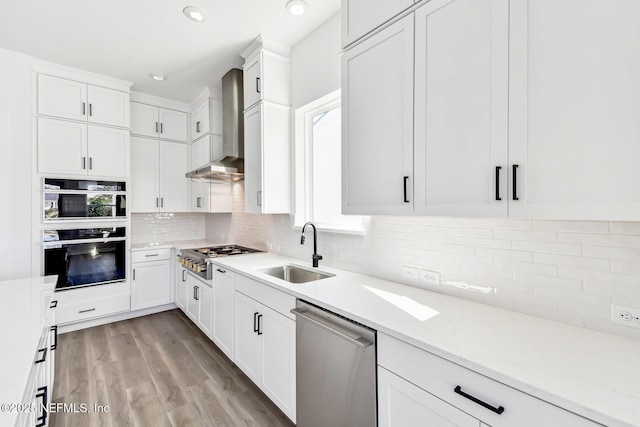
(195, 13)
(296, 7)
(158, 77)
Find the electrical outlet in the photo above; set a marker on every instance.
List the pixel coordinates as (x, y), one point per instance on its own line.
(430, 277)
(410, 273)
(627, 316)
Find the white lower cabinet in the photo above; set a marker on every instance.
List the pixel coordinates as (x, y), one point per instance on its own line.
(402, 404)
(418, 382)
(223, 310)
(265, 342)
(151, 279)
(181, 287)
(75, 305)
(200, 303)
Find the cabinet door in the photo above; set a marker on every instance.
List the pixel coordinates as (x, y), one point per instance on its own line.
(223, 310)
(276, 149)
(173, 125)
(62, 147)
(206, 150)
(62, 98)
(151, 284)
(574, 110)
(193, 299)
(109, 151)
(248, 344)
(461, 108)
(362, 16)
(253, 160)
(252, 79)
(145, 175)
(221, 197)
(279, 360)
(144, 120)
(205, 319)
(200, 121)
(181, 288)
(108, 106)
(402, 404)
(377, 123)
(200, 195)
(174, 186)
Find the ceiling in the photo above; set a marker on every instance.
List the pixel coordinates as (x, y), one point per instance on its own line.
(129, 39)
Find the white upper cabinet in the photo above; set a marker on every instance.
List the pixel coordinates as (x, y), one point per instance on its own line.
(377, 117)
(266, 159)
(152, 121)
(72, 148)
(206, 150)
(266, 77)
(73, 100)
(158, 183)
(207, 118)
(574, 109)
(362, 16)
(461, 107)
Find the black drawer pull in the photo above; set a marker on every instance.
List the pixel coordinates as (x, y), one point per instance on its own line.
(93, 309)
(498, 198)
(255, 322)
(514, 172)
(53, 304)
(54, 329)
(499, 410)
(406, 199)
(42, 393)
(44, 355)
(219, 270)
(259, 331)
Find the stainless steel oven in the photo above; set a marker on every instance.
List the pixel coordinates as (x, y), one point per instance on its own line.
(65, 199)
(85, 256)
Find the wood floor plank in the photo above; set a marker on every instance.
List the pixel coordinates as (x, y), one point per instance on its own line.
(146, 408)
(156, 370)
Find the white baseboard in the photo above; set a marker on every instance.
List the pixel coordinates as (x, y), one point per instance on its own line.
(62, 329)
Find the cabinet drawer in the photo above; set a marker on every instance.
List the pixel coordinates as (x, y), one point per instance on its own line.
(150, 255)
(441, 377)
(265, 294)
(81, 310)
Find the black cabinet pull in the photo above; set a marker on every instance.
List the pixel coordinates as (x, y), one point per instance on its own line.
(44, 355)
(498, 198)
(499, 410)
(54, 329)
(84, 108)
(87, 310)
(53, 304)
(197, 127)
(90, 110)
(43, 394)
(196, 293)
(184, 279)
(219, 270)
(134, 274)
(406, 200)
(255, 322)
(161, 128)
(259, 324)
(514, 172)
(258, 84)
(156, 127)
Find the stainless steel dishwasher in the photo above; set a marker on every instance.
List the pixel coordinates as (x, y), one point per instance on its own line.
(335, 370)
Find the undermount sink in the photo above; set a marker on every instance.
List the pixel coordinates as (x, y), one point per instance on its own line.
(295, 274)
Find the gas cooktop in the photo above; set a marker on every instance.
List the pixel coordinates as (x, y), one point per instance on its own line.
(198, 259)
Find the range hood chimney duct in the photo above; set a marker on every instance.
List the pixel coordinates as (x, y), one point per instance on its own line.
(231, 166)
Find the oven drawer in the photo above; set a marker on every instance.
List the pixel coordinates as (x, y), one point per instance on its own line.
(441, 378)
(150, 255)
(86, 303)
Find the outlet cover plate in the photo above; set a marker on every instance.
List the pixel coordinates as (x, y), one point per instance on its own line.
(626, 316)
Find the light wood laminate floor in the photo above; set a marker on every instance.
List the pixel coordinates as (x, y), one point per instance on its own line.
(156, 370)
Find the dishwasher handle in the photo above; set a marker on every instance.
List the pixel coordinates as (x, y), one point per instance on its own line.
(360, 342)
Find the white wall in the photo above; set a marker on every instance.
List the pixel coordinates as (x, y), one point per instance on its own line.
(15, 165)
(568, 271)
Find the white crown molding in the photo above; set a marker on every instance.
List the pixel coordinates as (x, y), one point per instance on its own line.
(157, 101)
(71, 73)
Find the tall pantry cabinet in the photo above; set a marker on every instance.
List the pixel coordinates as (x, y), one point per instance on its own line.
(499, 111)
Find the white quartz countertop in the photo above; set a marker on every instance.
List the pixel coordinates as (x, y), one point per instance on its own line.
(22, 307)
(179, 244)
(594, 374)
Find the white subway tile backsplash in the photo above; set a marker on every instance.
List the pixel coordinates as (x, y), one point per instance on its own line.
(612, 253)
(167, 227)
(573, 226)
(600, 239)
(625, 227)
(630, 267)
(550, 281)
(505, 254)
(572, 261)
(538, 236)
(543, 247)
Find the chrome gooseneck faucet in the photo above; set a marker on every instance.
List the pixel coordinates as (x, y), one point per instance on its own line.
(315, 256)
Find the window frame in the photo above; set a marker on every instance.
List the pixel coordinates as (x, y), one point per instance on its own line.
(303, 176)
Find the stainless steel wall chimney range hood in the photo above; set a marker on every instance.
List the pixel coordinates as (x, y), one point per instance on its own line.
(231, 166)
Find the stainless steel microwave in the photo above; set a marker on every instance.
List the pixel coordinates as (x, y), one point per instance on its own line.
(83, 199)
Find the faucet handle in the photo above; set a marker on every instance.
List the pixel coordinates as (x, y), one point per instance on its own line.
(302, 239)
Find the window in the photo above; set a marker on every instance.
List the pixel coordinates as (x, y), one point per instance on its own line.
(318, 166)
